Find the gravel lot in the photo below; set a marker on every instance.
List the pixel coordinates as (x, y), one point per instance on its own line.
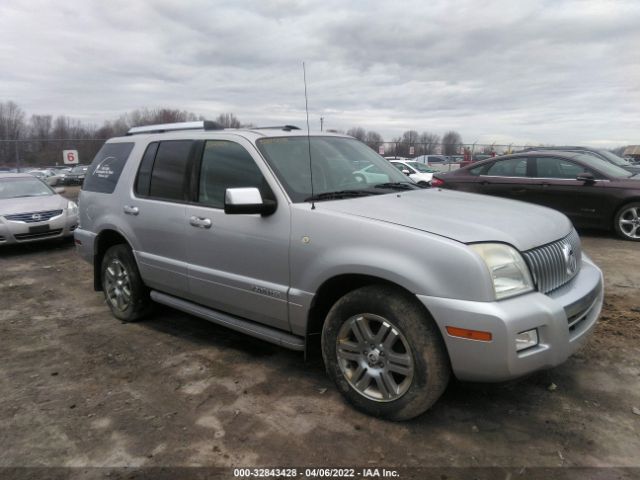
(80, 388)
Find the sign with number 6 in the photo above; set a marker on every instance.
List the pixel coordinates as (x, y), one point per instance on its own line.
(70, 157)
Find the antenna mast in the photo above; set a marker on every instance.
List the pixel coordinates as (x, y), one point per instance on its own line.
(306, 107)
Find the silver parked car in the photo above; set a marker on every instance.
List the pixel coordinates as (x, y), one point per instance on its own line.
(30, 210)
(277, 234)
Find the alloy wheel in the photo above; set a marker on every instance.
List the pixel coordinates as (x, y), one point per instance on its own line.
(375, 357)
(629, 222)
(117, 285)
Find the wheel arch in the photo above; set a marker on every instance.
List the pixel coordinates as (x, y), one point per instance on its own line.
(106, 239)
(626, 201)
(336, 287)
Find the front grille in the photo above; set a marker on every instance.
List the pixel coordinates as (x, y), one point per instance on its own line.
(555, 264)
(30, 236)
(33, 217)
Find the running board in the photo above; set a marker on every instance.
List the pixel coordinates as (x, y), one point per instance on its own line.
(238, 324)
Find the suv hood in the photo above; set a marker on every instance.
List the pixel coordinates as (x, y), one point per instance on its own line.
(465, 217)
(10, 206)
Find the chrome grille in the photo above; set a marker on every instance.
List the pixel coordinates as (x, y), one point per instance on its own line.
(30, 236)
(555, 264)
(33, 217)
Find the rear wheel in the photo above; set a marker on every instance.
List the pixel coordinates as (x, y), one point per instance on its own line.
(384, 353)
(627, 222)
(124, 291)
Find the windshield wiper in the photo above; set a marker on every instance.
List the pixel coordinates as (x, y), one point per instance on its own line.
(398, 185)
(339, 194)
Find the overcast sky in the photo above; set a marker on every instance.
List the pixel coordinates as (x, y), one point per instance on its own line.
(557, 72)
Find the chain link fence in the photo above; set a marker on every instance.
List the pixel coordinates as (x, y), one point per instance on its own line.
(34, 153)
(413, 150)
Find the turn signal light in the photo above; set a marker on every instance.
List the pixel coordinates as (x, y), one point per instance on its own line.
(469, 334)
(436, 182)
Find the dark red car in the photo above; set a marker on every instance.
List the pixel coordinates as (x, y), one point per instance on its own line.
(591, 192)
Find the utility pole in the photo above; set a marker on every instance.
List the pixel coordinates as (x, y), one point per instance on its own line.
(17, 157)
(321, 123)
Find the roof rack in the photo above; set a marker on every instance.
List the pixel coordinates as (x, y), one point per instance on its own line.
(286, 128)
(171, 127)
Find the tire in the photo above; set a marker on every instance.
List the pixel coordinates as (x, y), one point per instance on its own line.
(405, 372)
(424, 184)
(627, 222)
(125, 293)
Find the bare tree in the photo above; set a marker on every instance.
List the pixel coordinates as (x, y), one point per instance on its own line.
(152, 116)
(373, 140)
(228, 120)
(428, 143)
(40, 126)
(358, 133)
(451, 142)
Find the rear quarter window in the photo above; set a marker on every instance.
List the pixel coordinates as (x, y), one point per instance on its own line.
(104, 172)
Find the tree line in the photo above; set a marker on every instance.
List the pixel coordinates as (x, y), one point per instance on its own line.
(38, 140)
(425, 143)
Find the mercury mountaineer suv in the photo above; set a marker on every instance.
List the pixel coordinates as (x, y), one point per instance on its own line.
(272, 232)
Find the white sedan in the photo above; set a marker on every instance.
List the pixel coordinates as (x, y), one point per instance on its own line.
(47, 175)
(418, 172)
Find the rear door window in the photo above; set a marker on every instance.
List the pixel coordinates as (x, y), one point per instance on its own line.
(103, 173)
(552, 167)
(512, 167)
(168, 173)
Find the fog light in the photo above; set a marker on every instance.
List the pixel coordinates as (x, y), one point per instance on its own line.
(526, 339)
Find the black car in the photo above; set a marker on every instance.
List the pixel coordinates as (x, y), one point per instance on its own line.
(605, 155)
(75, 176)
(590, 191)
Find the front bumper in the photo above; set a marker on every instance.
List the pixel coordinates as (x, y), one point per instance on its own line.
(12, 232)
(564, 319)
(72, 181)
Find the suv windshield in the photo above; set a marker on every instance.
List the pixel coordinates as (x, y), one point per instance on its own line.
(340, 165)
(23, 187)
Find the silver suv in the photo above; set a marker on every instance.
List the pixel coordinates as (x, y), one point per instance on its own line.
(276, 234)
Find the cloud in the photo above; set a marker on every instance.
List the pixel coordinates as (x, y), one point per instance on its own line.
(541, 72)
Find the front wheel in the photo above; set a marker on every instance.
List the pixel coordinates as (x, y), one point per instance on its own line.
(124, 291)
(384, 353)
(627, 222)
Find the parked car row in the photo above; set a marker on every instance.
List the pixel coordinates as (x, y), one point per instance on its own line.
(591, 191)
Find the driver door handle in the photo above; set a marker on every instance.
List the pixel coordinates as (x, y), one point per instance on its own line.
(200, 222)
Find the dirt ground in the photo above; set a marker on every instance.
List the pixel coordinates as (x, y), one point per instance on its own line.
(78, 388)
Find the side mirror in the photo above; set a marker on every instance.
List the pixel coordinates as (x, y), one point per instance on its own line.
(586, 177)
(406, 172)
(59, 190)
(247, 201)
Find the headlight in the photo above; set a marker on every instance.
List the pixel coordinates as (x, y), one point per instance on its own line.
(72, 208)
(509, 273)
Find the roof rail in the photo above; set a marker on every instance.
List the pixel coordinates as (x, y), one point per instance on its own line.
(170, 127)
(286, 128)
